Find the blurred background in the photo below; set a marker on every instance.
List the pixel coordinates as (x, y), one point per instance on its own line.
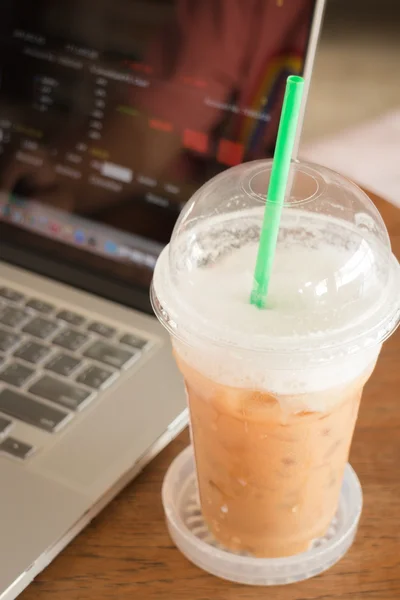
(357, 70)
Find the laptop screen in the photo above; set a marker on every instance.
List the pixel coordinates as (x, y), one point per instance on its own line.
(113, 112)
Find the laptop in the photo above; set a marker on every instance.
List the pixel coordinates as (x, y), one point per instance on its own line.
(111, 114)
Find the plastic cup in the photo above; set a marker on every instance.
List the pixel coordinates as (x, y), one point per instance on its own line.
(274, 393)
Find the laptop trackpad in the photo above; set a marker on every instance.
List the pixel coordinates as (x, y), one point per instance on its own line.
(115, 433)
(35, 513)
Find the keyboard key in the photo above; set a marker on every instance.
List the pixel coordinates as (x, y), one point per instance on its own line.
(16, 374)
(31, 411)
(95, 377)
(108, 354)
(8, 340)
(71, 318)
(40, 306)
(40, 328)
(63, 393)
(5, 424)
(16, 448)
(12, 316)
(102, 329)
(32, 352)
(63, 364)
(133, 341)
(70, 339)
(11, 295)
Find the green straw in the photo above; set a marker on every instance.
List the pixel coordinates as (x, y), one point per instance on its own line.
(277, 189)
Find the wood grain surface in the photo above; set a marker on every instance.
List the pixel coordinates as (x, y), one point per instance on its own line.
(126, 552)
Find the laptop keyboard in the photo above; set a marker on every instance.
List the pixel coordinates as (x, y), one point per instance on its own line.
(53, 363)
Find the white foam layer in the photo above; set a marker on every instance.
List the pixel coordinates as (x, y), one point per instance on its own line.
(297, 390)
(311, 291)
(305, 299)
(330, 294)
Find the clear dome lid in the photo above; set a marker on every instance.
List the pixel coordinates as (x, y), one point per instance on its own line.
(335, 282)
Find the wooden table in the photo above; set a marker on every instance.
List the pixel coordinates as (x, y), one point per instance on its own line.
(126, 552)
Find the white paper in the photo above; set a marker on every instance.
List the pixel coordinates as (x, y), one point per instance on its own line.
(369, 154)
